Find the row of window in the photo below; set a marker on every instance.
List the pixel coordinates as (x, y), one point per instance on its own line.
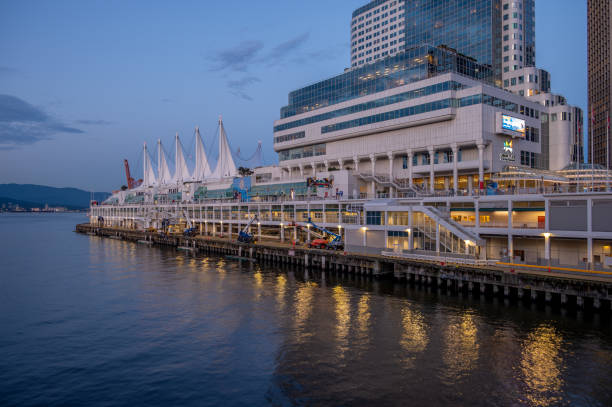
(289, 137)
(302, 152)
(432, 106)
(401, 97)
(530, 159)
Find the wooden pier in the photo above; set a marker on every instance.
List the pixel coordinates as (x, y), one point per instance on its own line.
(582, 291)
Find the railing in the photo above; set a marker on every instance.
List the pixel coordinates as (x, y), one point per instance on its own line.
(440, 258)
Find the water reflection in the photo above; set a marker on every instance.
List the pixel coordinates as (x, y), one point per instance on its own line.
(343, 318)
(461, 350)
(414, 337)
(541, 366)
(363, 317)
(303, 308)
(281, 290)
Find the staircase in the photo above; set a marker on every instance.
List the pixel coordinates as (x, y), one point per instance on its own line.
(386, 181)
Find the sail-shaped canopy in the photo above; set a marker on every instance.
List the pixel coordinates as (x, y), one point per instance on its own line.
(148, 178)
(202, 169)
(181, 172)
(163, 172)
(225, 164)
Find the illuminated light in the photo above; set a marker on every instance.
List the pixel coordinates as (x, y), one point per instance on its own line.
(340, 227)
(364, 228)
(468, 242)
(258, 223)
(546, 235)
(408, 230)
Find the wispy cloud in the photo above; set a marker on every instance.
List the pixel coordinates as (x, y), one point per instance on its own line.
(87, 122)
(285, 49)
(23, 124)
(238, 87)
(238, 57)
(7, 70)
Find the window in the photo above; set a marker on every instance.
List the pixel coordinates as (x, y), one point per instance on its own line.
(374, 218)
(553, 117)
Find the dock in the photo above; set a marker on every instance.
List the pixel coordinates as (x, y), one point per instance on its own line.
(585, 290)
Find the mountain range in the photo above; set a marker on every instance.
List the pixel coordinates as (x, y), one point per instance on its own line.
(30, 195)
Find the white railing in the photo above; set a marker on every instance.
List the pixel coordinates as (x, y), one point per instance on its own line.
(441, 258)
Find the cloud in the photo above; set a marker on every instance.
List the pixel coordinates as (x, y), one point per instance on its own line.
(94, 122)
(22, 124)
(238, 87)
(7, 70)
(282, 50)
(237, 58)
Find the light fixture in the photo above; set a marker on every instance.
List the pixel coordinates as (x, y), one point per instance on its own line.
(546, 235)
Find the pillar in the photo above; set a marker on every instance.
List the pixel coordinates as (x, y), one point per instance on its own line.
(437, 238)
(314, 169)
(455, 150)
(547, 247)
(282, 233)
(373, 162)
(326, 163)
(365, 237)
(510, 247)
(356, 163)
(431, 169)
(259, 230)
(480, 164)
(410, 230)
(410, 158)
(301, 166)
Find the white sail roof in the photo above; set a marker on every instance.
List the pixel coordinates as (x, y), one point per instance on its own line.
(202, 169)
(225, 164)
(148, 178)
(181, 172)
(163, 172)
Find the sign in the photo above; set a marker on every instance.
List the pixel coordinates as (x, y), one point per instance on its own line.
(508, 153)
(513, 124)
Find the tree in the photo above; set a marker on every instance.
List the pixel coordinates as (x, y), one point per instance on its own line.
(244, 171)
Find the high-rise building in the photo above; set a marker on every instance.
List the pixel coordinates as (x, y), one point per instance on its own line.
(600, 85)
(496, 33)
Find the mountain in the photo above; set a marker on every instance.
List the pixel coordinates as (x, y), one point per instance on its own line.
(40, 195)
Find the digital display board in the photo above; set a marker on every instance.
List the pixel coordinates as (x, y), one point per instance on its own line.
(513, 124)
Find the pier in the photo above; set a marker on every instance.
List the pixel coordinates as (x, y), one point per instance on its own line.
(584, 290)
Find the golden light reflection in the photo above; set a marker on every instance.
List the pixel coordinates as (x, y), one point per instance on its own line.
(281, 290)
(461, 352)
(303, 308)
(414, 334)
(364, 314)
(258, 279)
(541, 366)
(343, 317)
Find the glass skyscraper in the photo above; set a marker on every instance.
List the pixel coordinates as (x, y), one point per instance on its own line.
(472, 27)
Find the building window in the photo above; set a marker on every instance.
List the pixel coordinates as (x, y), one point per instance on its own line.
(374, 218)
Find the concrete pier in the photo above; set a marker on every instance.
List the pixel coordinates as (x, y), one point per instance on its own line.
(597, 289)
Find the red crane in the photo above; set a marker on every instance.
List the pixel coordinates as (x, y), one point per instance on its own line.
(131, 182)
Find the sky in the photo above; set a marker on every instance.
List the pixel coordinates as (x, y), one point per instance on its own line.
(84, 83)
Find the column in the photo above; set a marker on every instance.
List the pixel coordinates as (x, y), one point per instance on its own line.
(356, 163)
(476, 215)
(326, 163)
(590, 231)
(314, 169)
(340, 164)
(365, 236)
(282, 232)
(431, 168)
(455, 171)
(510, 247)
(480, 164)
(390, 158)
(410, 231)
(373, 162)
(509, 214)
(259, 230)
(437, 238)
(547, 247)
(301, 170)
(410, 158)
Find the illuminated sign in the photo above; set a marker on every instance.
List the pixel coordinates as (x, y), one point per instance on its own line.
(513, 124)
(507, 154)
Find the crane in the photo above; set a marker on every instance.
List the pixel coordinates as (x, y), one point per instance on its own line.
(191, 230)
(131, 182)
(334, 241)
(244, 236)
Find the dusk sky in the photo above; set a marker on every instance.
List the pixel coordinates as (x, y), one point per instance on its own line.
(84, 83)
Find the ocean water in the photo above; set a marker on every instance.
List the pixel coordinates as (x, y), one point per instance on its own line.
(92, 321)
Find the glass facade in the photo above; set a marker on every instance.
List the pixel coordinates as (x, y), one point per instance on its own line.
(472, 27)
(413, 65)
(401, 97)
(302, 152)
(529, 24)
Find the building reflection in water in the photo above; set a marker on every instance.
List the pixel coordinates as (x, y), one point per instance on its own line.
(304, 296)
(541, 366)
(343, 318)
(281, 291)
(363, 318)
(461, 350)
(414, 337)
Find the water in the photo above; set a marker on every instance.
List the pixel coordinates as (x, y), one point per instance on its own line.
(92, 321)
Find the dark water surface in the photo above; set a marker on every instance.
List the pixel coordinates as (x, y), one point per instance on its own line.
(92, 321)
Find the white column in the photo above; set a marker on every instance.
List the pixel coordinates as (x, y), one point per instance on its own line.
(356, 163)
(365, 237)
(510, 247)
(476, 215)
(373, 162)
(301, 170)
(509, 214)
(437, 238)
(314, 169)
(547, 247)
(431, 169)
(410, 158)
(455, 171)
(340, 164)
(259, 230)
(390, 157)
(590, 231)
(326, 163)
(480, 164)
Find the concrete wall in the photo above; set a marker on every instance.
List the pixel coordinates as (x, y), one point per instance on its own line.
(572, 216)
